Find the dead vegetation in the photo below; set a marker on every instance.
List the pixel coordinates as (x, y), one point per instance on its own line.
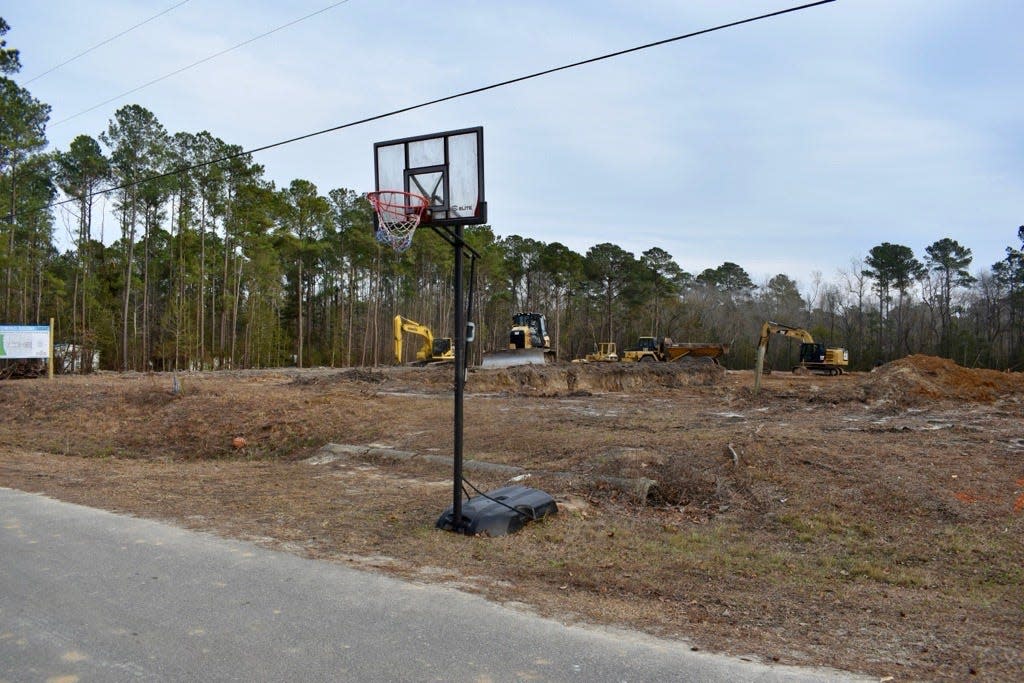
(870, 522)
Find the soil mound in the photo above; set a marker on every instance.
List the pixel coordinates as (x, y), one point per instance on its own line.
(556, 380)
(363, 375)
(920, 377)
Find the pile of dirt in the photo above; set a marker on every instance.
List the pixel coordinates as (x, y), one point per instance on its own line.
(927, 378)
(364, 375)
(562, 379)
(556, 379)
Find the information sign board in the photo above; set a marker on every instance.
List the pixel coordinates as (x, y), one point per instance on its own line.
(24, 341)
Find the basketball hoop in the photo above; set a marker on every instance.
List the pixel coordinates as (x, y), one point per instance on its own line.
(398, 216)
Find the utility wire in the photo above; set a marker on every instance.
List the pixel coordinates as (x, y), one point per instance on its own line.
(447, 98)
(197, 63)
(108, 40)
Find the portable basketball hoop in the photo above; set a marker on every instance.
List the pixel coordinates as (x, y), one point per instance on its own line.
(398, 215)
(446, 170)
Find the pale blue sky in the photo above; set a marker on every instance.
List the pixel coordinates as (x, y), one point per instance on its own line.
(790, 145)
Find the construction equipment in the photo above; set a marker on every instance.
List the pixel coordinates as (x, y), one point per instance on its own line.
(676, 350)
(813, 355)
(433, 350)
(528, 343)
(649, 349)
(606, 353)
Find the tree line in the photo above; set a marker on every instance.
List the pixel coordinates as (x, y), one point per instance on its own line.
(216, 267)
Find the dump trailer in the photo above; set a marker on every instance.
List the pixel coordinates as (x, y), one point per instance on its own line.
(528, 344)
(675, 351)
(651, 349)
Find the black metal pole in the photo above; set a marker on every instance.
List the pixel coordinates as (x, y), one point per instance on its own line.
(460, 374)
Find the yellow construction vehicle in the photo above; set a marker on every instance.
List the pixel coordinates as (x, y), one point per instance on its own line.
(528, 343)
(813, 355)
(433, 349)
(606, 353)
(664, 349)
(647, 349)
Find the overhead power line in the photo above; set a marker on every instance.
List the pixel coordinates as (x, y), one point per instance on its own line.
(197, 63)
(108, 40)
(448, 98)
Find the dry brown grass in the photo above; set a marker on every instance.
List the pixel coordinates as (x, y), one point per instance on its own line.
(850, 521)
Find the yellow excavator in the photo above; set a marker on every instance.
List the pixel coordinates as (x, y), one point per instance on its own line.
(433, 349)
(813, 355)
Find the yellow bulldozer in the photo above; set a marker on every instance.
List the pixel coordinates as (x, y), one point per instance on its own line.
(528, 343)
(814, 356)
(606, 353)
(433, 350)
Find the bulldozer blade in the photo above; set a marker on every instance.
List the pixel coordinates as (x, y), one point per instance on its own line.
(508, 359)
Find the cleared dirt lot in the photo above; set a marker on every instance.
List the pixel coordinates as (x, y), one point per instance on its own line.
(870, 522)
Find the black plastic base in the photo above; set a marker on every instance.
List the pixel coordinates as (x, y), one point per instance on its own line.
(499, 512)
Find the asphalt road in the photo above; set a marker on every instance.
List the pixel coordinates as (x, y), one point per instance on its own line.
(87, 595)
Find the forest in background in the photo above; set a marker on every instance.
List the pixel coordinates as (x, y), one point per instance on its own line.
(216, 267)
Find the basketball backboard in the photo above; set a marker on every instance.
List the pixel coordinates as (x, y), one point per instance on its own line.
(447, 168)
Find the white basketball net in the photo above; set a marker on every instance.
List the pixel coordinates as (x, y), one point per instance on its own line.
(398, 216)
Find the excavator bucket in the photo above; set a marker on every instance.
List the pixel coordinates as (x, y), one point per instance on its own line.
(513, 357)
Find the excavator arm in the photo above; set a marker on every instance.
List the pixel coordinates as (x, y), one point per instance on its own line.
(767, 330)
(402, 325)
(770, 328)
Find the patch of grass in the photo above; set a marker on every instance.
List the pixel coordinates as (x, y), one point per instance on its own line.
(1003, 576)
(971, 547)
(832, 526)
(688, 541)
(719, 549)
(873, 571)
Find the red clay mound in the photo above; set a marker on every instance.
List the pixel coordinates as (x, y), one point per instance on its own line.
(929, 377)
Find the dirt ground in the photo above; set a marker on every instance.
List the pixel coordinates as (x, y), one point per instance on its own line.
(870, 522)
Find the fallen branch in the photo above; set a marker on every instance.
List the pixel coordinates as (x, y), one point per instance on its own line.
(735, 455)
